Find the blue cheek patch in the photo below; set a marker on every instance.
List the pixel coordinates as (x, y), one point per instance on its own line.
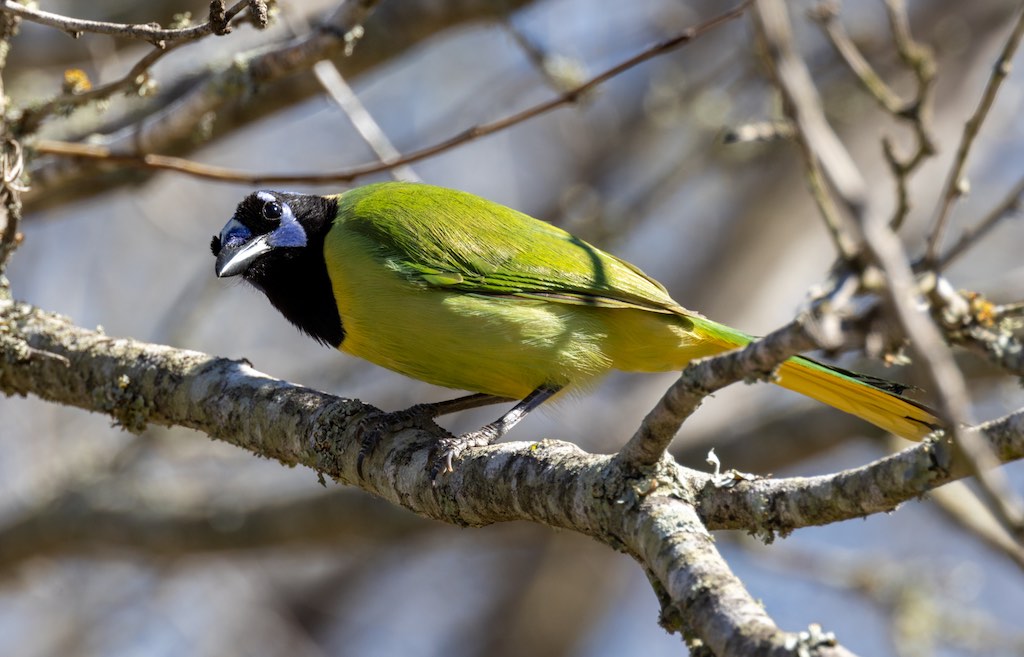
(236, 236)
(290, 233)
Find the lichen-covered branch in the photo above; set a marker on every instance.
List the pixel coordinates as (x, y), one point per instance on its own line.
(647, 512)
(781, 505)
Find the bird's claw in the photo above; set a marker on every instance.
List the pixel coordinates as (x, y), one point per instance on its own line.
(450, 448)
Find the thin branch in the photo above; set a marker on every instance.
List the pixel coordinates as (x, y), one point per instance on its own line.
(1011, 204)
(956, 183)
(151, 32)
(824, 155)
(332, 81)
(700, 379)
(826, 15)
(33, 116)
(225, 174)
(916, 111)
(345, 97)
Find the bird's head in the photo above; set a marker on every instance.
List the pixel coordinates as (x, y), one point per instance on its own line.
(275, 241)
(266, 227)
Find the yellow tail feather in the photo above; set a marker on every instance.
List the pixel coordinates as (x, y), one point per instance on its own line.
(845, 392)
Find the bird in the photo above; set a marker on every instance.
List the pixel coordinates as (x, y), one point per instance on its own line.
(453, 289)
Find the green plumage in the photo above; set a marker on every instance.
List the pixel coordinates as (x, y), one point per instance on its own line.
(452, 240)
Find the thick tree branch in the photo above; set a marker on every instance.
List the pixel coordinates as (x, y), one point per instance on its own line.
(646, 512)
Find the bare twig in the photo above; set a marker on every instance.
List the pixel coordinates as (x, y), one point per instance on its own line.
(225, 174)
(33, 116)
(956, 183)
(826, 15)
(916, 111)
(824, 155)
(921, 61)
(151, 32)
(342, 94)
(1009, 206)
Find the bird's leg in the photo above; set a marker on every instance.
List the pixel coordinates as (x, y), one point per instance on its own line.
(376, 424)
(450, 448)
(437, 409)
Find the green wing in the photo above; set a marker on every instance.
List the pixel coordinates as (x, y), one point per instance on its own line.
(447, 239)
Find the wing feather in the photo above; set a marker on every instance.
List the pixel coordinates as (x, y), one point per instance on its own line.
(446, 239)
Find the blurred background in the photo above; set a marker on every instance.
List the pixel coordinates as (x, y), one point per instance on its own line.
(167, 543)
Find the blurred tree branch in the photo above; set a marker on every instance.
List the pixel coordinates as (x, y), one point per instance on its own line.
(257, 83)
(146, 160)
(82, 522)
(220, 16)
(164, 41)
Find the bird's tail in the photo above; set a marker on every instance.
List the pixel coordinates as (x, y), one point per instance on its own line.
(875, 400)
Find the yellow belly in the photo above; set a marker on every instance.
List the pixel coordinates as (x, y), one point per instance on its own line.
(500, 345)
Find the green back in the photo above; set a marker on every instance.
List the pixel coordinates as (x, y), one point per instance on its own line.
(453, 240)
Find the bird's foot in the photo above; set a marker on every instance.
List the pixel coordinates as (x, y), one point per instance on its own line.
(453, 447)
(375, 425)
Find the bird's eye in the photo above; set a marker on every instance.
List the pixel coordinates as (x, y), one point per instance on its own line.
(272, 210)
(215, 245)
